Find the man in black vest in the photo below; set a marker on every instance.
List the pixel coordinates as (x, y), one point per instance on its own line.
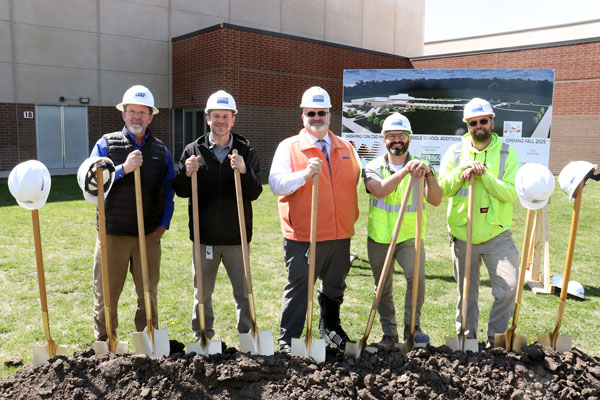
(210, 156)
(132, 147)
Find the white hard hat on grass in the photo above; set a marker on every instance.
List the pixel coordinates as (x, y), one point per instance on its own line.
(477, 108)
(315, 97)
(574, 288)
(535, 184)
(396, 122)
(571, 176)
(220, 100)
(138, 94)
(86, 177)
(29, 183)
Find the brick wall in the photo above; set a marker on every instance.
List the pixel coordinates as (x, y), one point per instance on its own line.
(17, 135)
(576, 105)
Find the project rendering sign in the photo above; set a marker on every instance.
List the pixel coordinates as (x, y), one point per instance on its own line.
(433, 101)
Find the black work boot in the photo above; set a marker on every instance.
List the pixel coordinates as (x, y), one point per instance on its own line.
(329, 322)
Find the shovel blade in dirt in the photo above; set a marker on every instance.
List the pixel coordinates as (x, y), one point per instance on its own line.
(314, 350)
(101, 347)
(462, 344)
(563, 342)
(145, 345)
(354, 349)
(510, 341)
(41, 353)
(262, 343)
(210, 347)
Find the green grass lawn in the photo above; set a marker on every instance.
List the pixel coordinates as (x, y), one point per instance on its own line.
(68, 236)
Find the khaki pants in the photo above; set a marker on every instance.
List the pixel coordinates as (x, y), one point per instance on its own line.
(404, 253)
(123, 256)
(501, 259)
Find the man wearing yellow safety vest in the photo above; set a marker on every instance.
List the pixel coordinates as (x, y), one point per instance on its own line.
(494, 164)
(386, 180)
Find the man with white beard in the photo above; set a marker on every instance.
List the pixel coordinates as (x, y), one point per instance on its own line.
(132, 147)
(315, 150)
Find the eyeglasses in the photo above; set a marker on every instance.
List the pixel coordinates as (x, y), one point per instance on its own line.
(311, 114)
(482, 121)
(137, 113)
(394, 136)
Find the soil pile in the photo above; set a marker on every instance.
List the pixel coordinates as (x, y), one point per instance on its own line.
(432, 373)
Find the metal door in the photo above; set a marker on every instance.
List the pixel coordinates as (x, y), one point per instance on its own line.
(62, 136)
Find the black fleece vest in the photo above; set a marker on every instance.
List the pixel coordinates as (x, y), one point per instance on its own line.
(121, 217)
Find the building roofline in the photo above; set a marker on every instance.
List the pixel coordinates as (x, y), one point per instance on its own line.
(487, 35)
(285, 36)
(507, 49)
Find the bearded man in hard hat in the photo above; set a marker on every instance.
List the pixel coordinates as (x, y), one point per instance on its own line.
(315, 150)
(386, 180)
(133, 147)
(210, 156)
(494, 165)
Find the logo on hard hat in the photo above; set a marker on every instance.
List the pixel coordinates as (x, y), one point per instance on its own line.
(476, 109)
(399, 123)
(140, 94)
(319, 98)
(222, 100)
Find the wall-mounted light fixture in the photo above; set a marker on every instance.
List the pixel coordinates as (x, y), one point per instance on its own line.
(61, 98)
(84, 100)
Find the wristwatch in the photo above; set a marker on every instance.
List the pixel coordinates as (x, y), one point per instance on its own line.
(431, 172)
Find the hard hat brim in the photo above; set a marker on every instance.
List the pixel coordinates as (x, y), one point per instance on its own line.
(121, 107)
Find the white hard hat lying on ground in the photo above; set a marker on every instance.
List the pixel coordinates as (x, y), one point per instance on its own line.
(575, 288)
(29, 183)
(534, 184)
(86, 177)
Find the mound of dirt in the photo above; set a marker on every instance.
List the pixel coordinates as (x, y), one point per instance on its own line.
(432, 373)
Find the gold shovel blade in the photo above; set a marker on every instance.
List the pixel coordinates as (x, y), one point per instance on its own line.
(263, 344)
(502, 340)
(316, 350)
(101, 347)
(211, 347)
(563, 343)
(354, 349)
(462, 344)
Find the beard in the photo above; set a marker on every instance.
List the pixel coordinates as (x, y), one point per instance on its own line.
(396, 149)
(317, 126)
(481, 135)
(135, 128)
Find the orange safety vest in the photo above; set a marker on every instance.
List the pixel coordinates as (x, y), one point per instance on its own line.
(338, 202)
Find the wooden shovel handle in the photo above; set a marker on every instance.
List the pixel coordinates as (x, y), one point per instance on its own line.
(469, 245)
(417, 261)
(244, 239)
(568, 261)
(312, 256)
(389, 258)
(104, 255)
(143, 254)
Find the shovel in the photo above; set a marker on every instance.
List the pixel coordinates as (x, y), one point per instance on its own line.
(510, 340)
(309, 346)
(553, 339)
(461, 342)
(255, 341)
(112, 344)
(204, 346)
(42, 353)
(153, 342)
(353, 349)
(410, 342)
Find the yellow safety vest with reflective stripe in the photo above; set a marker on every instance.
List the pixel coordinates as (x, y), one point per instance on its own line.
(383, 213)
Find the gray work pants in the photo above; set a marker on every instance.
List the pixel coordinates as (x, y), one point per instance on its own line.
(404, 253)
(501, 259)
(332, 264)
(232, 259)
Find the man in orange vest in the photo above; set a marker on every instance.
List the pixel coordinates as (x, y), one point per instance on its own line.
(315, 150)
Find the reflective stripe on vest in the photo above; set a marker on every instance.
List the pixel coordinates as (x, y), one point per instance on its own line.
(503, 154)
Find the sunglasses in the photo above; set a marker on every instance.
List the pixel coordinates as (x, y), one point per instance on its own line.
(482, 121)
(313, 113)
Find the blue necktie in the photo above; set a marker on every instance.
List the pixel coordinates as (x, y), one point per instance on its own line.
(324, 149)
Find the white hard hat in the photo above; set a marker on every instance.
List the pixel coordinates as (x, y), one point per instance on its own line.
(396, 122)
(138, 94)
(477, 108)
(534, 184)
(29, 183)
(86, 177)
(571, 176)
(220, 100)
(574, 288)
(315, 97)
